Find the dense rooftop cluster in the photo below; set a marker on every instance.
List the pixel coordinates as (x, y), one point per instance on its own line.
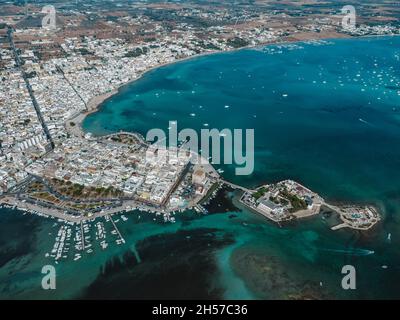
(22, 139)
(92, 53)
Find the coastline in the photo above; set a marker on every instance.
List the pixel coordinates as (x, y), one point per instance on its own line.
(92, 107)
(95, 103)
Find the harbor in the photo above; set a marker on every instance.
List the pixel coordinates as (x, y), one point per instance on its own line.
(73, 240)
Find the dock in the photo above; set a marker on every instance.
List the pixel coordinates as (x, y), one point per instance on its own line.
(117, 230)
(82, 236)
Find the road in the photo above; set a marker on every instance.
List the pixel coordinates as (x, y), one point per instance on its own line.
(73, 88)
(28, 86)
(235, 186)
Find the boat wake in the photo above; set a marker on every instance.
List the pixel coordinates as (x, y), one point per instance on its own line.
(363, 121)
(353, 252)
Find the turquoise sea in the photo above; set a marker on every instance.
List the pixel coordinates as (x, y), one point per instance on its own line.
(325, 114)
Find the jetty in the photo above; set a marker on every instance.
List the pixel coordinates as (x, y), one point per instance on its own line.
(117, 230)
(82, 236)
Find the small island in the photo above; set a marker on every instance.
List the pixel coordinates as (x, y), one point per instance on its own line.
(288, 200)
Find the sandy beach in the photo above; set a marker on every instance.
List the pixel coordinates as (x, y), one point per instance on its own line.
(74, 124)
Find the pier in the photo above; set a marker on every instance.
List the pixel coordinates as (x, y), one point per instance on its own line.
(339, 226)
(116, 229)
(82, 237)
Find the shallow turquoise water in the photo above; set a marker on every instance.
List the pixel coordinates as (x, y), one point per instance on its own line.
(326, 115)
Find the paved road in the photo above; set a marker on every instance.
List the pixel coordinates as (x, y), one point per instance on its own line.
(28, 86)
(235, 186)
